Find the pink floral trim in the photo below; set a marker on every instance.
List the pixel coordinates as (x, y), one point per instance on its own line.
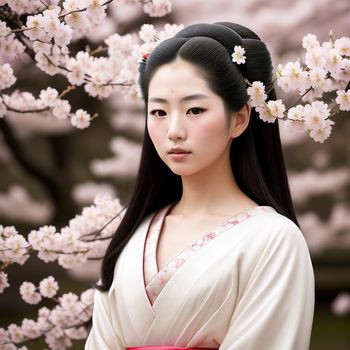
(156, 280)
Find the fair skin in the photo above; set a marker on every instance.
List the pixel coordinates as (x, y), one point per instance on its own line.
(199, 127)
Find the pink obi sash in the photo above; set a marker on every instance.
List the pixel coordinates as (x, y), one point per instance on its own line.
(166, 347)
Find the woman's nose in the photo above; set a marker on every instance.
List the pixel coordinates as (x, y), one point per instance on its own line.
(176, 129)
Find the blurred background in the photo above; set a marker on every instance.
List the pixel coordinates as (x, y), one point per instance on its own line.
(50, 170)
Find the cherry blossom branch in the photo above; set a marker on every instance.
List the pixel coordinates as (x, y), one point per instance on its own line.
(299, 99)
(96, 233)
(81, 10)
(67, 90)
(35, 110)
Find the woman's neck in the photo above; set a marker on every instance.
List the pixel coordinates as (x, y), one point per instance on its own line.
(213, 190)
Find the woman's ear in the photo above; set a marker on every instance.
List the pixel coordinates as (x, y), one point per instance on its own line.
(240, 120)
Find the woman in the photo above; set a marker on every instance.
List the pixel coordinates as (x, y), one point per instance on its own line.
(209, 253)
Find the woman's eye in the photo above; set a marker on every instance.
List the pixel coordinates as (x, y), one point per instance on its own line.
(160, 113)
(154, 112)
(196, 110)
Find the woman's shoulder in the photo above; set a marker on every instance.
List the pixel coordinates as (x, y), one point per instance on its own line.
(275, 228)
(269, 226)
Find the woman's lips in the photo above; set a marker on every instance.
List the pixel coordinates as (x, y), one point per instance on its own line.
(177, 150)
(178, 154)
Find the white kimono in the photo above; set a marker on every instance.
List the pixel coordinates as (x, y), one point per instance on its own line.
(247, 285)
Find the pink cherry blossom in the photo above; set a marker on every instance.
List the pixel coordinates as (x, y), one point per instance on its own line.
(48, 287)
(29, 294)
(7, 78)
(81, 119)
(257, 93)
(343, 100)
(157, 8)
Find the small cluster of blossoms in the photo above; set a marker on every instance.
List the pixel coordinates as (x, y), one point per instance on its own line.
(65, 322)
(48, 288)
(326, 69)
(49, 101)
(86, 237)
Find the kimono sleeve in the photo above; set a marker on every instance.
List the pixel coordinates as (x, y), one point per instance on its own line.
(104, 334)
(275, 310)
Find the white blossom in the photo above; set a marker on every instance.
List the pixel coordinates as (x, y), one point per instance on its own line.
(30, 329)
(296, 119)
(8, 231)
(7, 78)
(334, 61)
(257, 93)
(50, 21)
(77, 72)
(343, 100)
(265, 115)
(4, 335)
(68, 300)
(169, 31)
(77, 20)
(35, 27)
(157, 8)
(61, 109)
(29, 294)
(81, 119)
(77, 333)
(317, 77)
(49, 96)
(120, 45)
(147, 33)
(15, 333)
(48, 287)
(276, 108)
(319, 134)
(45, 241)
(309, 42)
(342, 45)
(48, 64)
(16, 249)
(292, 77)
(316, 115)
(238, 55)
(316, 58)
(87, 297)
(342, 75)
(63, 35)
(10, 48)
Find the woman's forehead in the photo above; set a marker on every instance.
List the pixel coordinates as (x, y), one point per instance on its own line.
(177, 79)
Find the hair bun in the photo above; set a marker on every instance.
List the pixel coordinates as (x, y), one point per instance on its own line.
(258, 64)
(224, 35)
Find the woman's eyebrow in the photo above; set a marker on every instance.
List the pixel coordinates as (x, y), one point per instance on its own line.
(186, 98)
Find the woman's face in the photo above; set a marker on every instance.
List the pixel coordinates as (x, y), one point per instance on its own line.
(184, 113)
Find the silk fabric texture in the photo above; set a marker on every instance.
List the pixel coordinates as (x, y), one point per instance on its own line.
(249, 288)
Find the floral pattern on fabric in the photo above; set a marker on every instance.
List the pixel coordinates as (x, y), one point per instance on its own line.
(156, 280)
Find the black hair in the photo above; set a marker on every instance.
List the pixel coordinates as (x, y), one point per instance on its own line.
(257, 161)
